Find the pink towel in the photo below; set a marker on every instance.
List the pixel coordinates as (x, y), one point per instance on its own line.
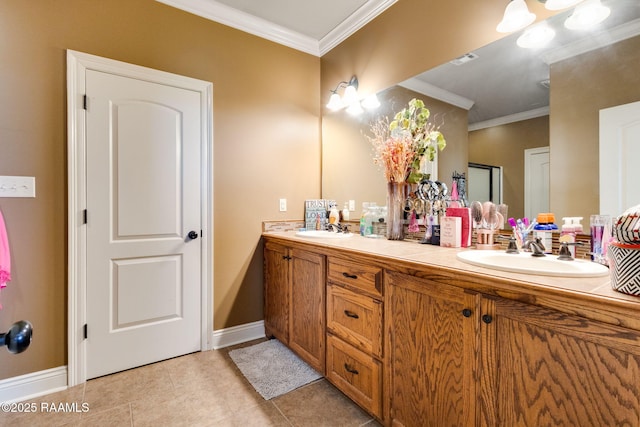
(5, 256)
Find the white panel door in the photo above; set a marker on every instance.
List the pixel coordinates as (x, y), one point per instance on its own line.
(536, 181)
(143, 200)
(619, 158)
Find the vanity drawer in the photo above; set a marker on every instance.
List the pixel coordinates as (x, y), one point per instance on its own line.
(355, 318)
(356, 374)
(365, 277)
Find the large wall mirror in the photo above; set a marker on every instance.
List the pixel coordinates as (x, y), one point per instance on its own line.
(501, 100)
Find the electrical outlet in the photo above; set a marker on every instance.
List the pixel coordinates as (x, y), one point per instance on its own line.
(283, 205)
(352, 205)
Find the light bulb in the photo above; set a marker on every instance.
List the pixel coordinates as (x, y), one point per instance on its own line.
(587, 15)
(536, 37)
(335, 103)
(516, 17)
(355, 109)
(371, 102)
(350, 95)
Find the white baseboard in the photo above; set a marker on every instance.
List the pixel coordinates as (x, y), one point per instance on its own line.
(237, 334)
(32, 385)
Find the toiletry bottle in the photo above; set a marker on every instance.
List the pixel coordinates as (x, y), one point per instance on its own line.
(568, 234)
(365, 208)
(345, 212)
(334, 216)
(370, 217)
(544, 230)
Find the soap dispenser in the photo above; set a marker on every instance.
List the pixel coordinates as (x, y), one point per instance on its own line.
(334, 216)
(345, 212)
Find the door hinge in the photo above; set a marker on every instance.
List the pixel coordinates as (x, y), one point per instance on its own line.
(85, 331)
(85, 102)
(84, 216)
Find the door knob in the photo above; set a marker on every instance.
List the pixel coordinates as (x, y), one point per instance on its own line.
(192, 235)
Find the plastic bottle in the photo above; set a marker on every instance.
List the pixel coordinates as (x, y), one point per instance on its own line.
(365, 209)
(345, 212)
(334, 216)
(544, 230)
(369, 218)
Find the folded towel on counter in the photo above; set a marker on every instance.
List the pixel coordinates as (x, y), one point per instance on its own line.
(5, 256)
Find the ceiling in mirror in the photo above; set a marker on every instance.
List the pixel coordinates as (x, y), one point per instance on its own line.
(502, 79)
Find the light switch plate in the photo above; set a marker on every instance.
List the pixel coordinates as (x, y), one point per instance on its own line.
(352, 205)
(283, 205)
(17, 186)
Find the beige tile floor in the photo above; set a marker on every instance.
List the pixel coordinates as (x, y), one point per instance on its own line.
(199, 389)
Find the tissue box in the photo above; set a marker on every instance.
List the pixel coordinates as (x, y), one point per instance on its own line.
(466, 224)
(450, 231)
(624, 265)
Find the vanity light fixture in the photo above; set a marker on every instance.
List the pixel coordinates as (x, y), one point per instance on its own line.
(587, 15)
(536, 37)
(516, 17)
(350, 94)
(351, 99)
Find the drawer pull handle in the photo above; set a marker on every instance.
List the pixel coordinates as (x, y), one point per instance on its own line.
(351, 314)
(350, 369)
(349, 276)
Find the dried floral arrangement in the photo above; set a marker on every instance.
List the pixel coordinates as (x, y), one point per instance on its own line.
(400, 145)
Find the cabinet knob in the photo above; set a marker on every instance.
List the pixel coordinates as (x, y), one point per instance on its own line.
(486, 318)
(467, 312)
(350, 369)
(351, 314)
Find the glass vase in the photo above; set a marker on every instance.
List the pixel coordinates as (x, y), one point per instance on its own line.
(396, 195)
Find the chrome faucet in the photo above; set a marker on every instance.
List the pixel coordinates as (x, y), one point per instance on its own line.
(338, 228)
(535, 246)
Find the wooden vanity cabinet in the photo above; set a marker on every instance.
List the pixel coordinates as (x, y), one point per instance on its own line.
(431, 352)
(542, 367)
(459, 358)
(354, 331)
(294, 300)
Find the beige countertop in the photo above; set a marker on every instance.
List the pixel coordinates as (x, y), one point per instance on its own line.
(591, 291)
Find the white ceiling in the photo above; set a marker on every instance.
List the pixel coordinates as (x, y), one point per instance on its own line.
(499, 87)
(312, 26)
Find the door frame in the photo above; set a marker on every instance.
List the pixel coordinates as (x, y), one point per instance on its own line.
(528, 177)
(77, 65)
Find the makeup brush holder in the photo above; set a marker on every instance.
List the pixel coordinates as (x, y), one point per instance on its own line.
(485, 239)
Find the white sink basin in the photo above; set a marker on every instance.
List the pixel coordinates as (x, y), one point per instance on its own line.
(323, 234)
(525, 263)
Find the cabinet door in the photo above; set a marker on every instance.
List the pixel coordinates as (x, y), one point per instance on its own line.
(543, 367)
(307, 317)
(432, 352)
(276, 291)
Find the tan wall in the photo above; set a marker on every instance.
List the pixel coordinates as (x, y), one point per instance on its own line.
(580, 88)
(348, 171)
(266, 119)
(504, 146)
(411, 37)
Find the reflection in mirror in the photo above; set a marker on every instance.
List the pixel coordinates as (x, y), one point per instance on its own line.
(556, 100)
(485, 183)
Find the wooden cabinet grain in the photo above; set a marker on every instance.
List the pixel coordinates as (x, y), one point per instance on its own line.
(354, 331)
(543, 367)
(431, 352)
(295, 299)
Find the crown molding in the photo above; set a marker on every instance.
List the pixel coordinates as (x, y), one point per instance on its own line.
(432, 91)
(511, 118)
(361, 17)
(602, 39)
(223, 14)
